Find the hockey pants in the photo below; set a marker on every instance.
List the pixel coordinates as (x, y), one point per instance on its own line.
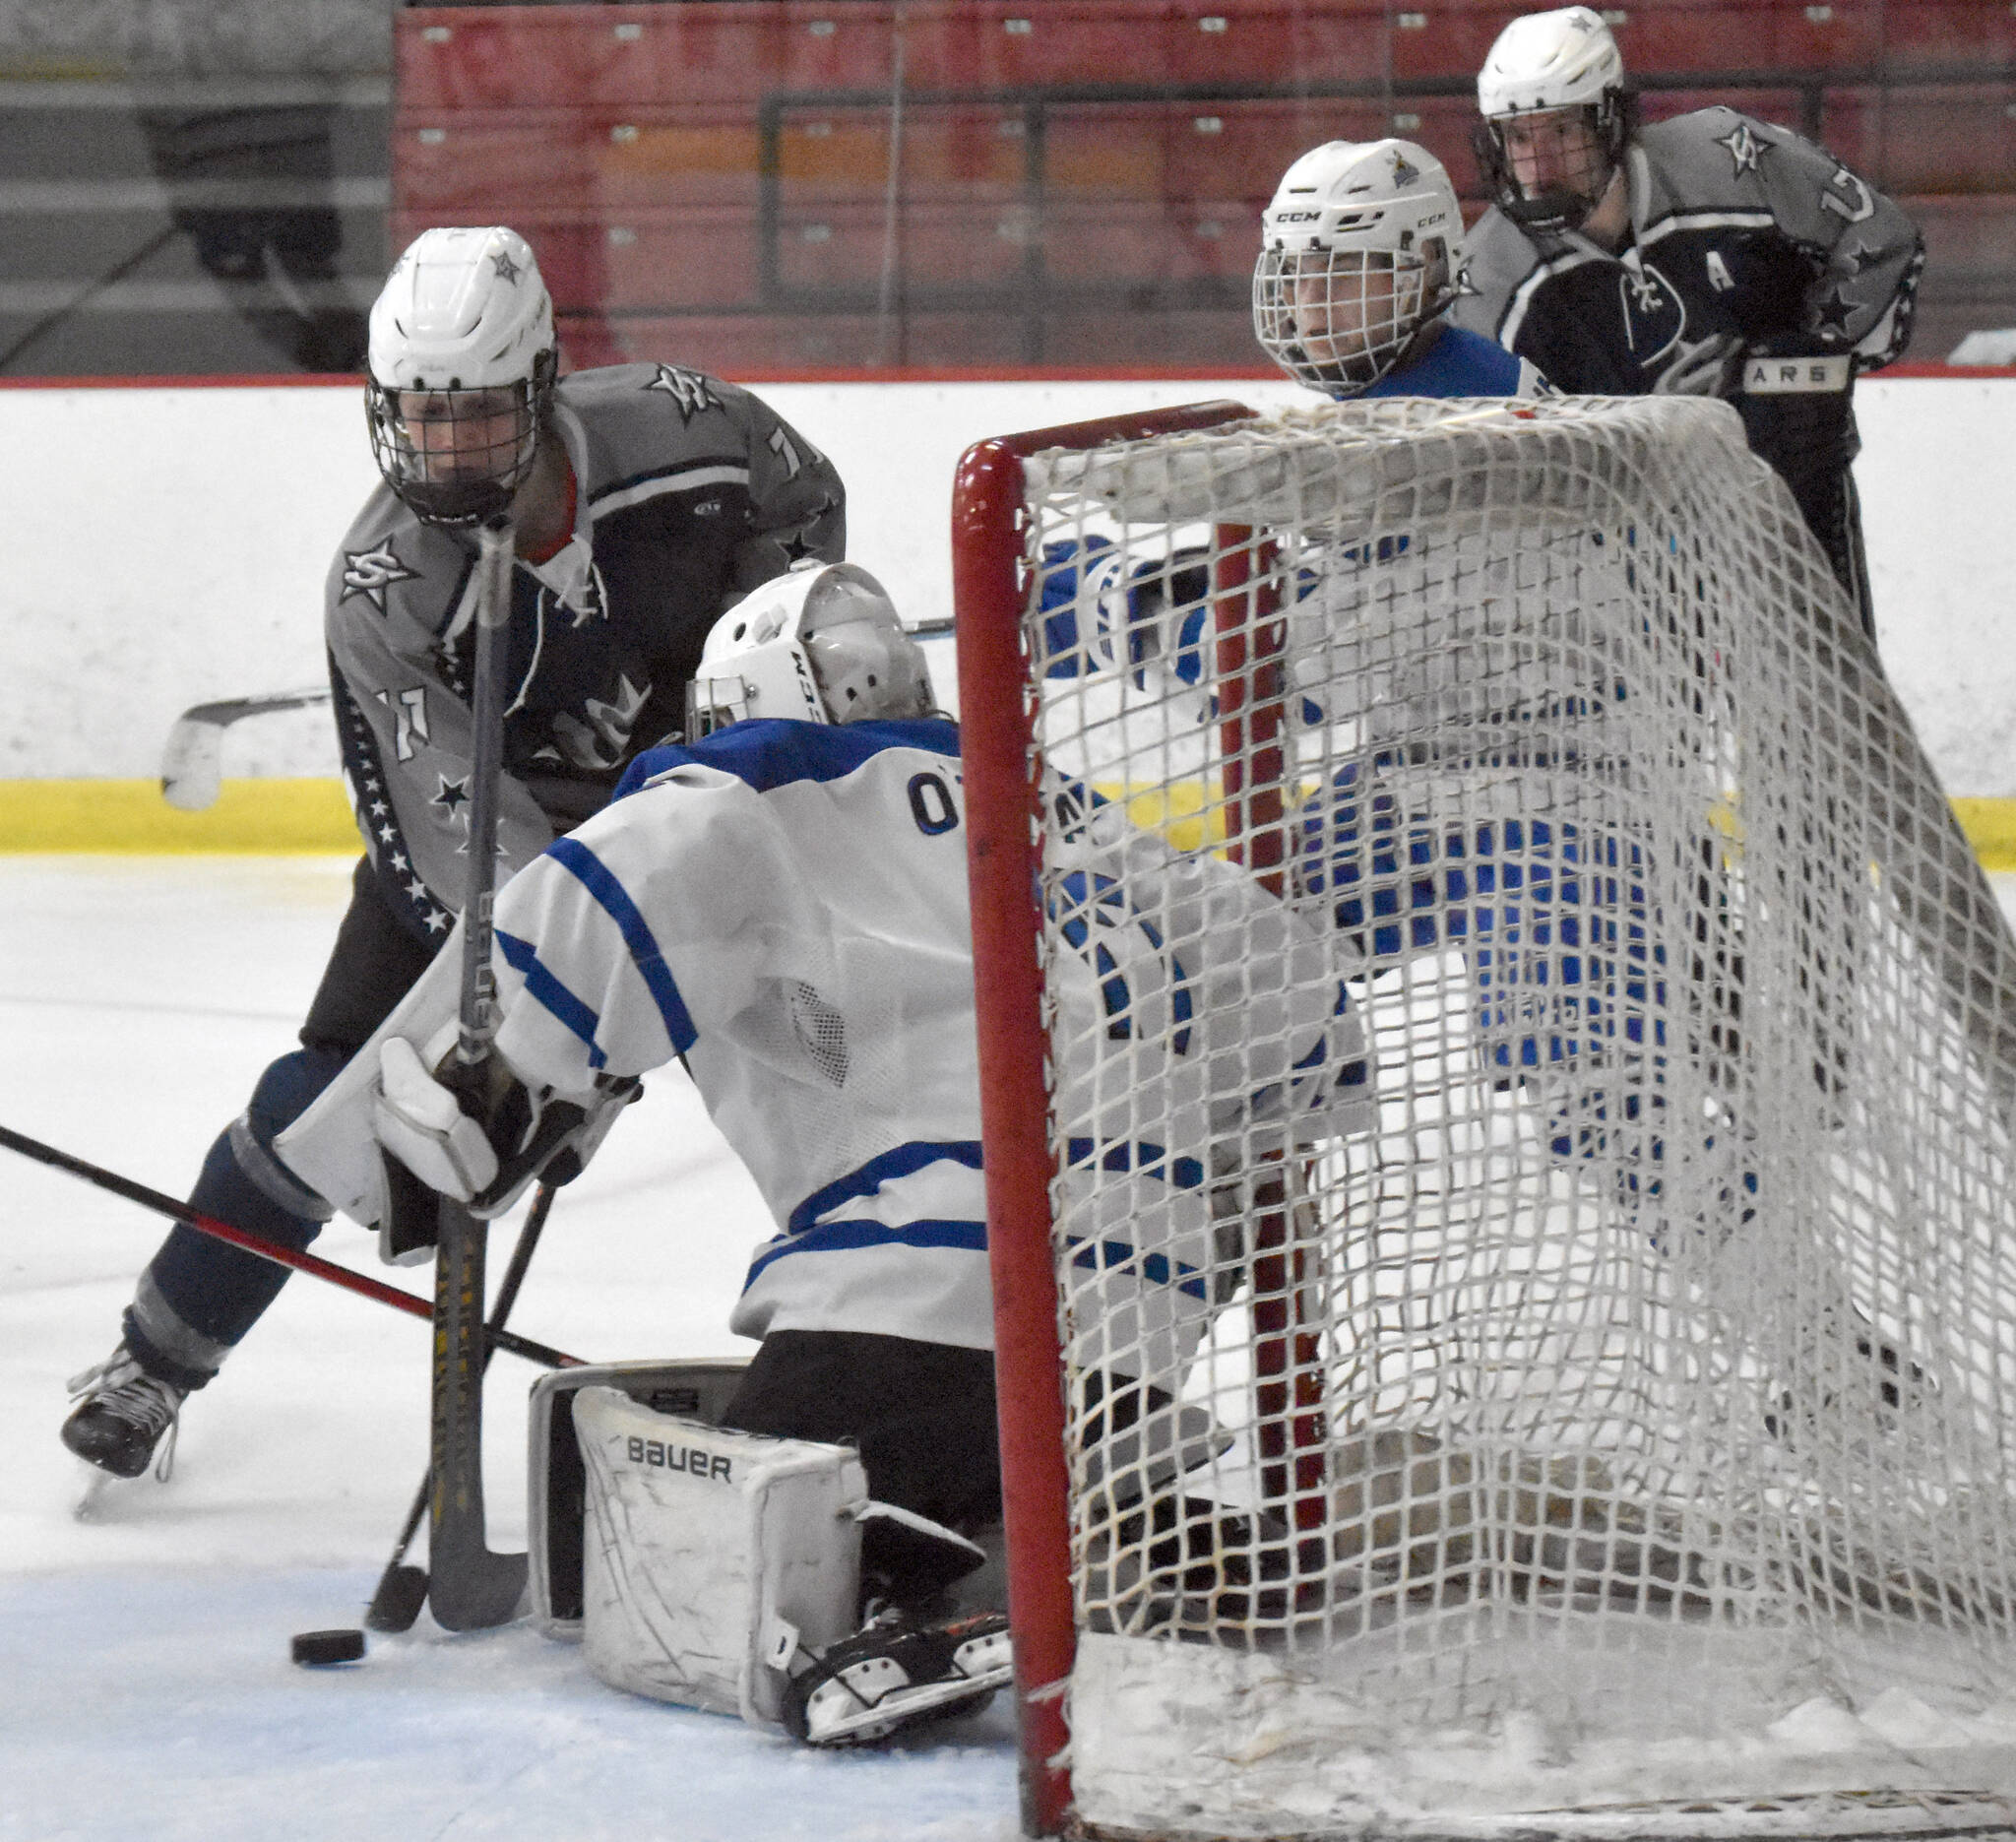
(199, 1297)
(921, 1416)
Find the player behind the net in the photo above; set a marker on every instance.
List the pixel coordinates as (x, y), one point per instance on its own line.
(1451, 820)
(1470, 809)
(644, 499)
(781, 903)
(1712, 254)
(1351, 296)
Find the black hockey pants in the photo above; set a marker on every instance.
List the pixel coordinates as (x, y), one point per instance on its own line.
(921, 1416)
(199, 1297)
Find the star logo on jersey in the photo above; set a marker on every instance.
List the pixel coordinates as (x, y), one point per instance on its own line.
(1653, 315)
(451, 797)
(371, 573)
(504, 268)
(692, 391)
(799, 546)
(1744, 146)
(1862, 257)
(600, 737)
(1830, 316)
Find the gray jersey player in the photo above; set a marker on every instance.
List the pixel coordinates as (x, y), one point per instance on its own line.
(1712, 254)
(645, 500)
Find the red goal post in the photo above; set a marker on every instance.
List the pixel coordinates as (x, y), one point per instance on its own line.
(992, 579)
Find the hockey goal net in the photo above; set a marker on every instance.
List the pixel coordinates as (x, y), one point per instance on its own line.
(1604, 1429)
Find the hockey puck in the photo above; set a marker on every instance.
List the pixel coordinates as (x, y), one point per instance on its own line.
(315, 1648)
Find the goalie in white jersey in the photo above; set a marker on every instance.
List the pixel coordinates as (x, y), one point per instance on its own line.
(782, 905)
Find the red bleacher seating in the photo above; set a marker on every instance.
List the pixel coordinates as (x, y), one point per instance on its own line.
(490, 164)
(1239, 41)
(1907, 138)
(1920, 37)
(629, 141)
(983, 45)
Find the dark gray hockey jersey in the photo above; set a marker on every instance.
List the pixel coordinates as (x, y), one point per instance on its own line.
(690, 492)
(1744, 238)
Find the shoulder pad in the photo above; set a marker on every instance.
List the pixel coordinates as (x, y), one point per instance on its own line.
(643, 418)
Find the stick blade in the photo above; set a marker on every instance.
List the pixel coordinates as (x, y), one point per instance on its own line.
(192, 764)
(478, 1590)
(402, 1592)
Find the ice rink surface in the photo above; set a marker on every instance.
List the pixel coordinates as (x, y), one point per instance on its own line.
(144, 1686)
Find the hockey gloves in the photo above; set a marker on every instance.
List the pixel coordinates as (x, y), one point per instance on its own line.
(422, 1123)
(486, 1164)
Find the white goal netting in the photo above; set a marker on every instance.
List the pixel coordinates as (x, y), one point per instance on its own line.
(1571, 1391)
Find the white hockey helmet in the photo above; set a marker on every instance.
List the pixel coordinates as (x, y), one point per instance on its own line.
(461, 362)
(1541, 64)
(1357, 252)
(821, 643)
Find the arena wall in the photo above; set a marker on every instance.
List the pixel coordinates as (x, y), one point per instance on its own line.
(170, 545)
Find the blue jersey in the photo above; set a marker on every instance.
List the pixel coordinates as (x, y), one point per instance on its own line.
(1461, 364)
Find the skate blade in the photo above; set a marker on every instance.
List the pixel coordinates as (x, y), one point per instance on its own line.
(835, 1716)
(96, 1493)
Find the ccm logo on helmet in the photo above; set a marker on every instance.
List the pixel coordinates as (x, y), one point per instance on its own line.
(706, 1466)
(1296, 217)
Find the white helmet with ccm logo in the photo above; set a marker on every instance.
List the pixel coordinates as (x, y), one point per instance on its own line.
(1355, 258)
(821, 644)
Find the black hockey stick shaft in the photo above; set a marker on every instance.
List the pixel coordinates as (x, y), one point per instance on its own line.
(365, 1287)
(402, 1590)
(470, 1586)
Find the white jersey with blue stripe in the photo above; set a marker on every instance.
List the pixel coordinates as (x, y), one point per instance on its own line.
(785, 906)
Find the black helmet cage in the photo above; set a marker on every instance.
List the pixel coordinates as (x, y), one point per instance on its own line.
(1613, 122)
(453, 485)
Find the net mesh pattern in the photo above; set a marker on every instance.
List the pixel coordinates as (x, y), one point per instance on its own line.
(1612, 1316)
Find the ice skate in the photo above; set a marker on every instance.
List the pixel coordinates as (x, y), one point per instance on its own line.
(895, 1673)
(121, 1415)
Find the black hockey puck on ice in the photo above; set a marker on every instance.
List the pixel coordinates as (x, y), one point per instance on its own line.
(319, 1647)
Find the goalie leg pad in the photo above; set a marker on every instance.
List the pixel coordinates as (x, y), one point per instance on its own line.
(711, 1558)
(893, 1676)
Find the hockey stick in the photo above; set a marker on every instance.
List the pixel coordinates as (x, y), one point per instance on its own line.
(163, 1204)
(192, 761)
(402, 1589)
(471, 1586)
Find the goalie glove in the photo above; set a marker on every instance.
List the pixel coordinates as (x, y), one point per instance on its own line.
(422, 1123)
(434, 1147)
